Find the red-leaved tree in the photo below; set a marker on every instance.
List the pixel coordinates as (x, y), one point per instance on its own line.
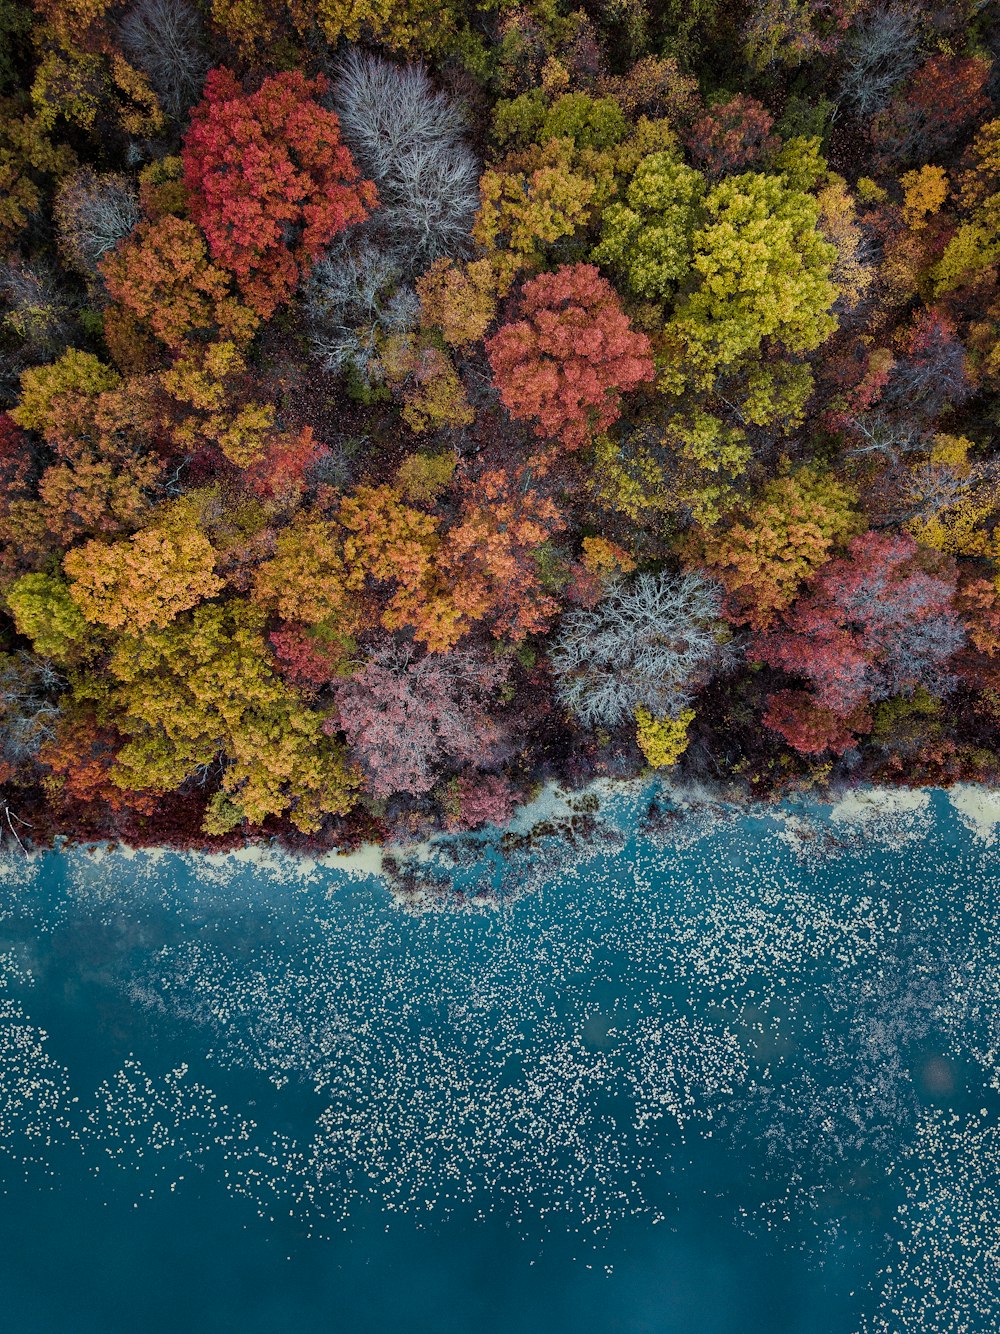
(732, 136)
(810, 728)
(280, 473)
(481, 799)
(569, 358)
(408, 718)
(934, 107)
(270, 181)
(877, 623)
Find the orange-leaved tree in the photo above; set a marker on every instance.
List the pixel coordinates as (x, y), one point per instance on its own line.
(163, 276)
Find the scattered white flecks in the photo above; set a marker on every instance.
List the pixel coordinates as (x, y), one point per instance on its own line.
(551, 1057)
(943, 1276)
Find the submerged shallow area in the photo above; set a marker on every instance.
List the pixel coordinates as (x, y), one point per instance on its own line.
(693, 1069)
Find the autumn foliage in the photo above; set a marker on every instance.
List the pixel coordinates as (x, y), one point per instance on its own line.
(270, 181)
(567, 360)
(508, 402)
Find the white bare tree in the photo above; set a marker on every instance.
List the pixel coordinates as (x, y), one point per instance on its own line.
(354, 295)
(407, 136)
(881, 50)
(93, 213)
(652, 642)
(165, 38)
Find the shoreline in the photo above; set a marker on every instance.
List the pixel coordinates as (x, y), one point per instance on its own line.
(572, 819)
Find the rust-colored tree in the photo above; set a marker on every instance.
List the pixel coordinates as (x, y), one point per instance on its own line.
(567, 361)
(876, 623)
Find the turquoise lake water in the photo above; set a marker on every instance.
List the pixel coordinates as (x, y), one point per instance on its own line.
(694, 1072)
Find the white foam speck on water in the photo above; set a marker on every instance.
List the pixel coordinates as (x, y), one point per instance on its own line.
(944, 1271)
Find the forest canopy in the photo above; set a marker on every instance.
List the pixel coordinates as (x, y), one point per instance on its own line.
(406, 405)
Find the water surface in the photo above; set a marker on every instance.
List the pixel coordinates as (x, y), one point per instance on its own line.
(702, 1072)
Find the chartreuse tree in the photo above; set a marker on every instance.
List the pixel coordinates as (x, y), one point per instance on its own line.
(45, 613)
(763, 275)
(200, 694)
(647, 238)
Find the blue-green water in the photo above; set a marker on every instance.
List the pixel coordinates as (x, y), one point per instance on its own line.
(712, 1074)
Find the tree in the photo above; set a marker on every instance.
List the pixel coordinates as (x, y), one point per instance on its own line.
(307, 579)
(662, 740)
(281, 473)
(310, 656)
(938, 102)
(271, 183)
(147, 579)
(474, 801)
(93, 213)
(26, 154)
(163, 276)
(790, 32)
(853, 273)
(732, 136)
(79, 761)
(489, 558)
(764, 557)
(408, 718)
(45, 612)
(409, 138)
(422, 478)
(39, 310)
(649, 237)
(875, 623)
(526, 209)
(398, 549)
(433, 395)
(356, 299)
(458, 299)
(924, 192)
(931, 371)
(63, 389)
(200, 694)
(810, 728)
(880, 51)
(165, 38)
(413, 28)
(650, 644)
(569, 358)
(30, 688)
(86, 496)
(765, 273)
(212, 388)
(94, 90)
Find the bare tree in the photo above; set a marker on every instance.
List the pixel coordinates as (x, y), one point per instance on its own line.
(93, 213)
(354, 296)
(165, 38)
(651, 643)
(881, 50)
(29, 689)
(37, 309)
(407, 136)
